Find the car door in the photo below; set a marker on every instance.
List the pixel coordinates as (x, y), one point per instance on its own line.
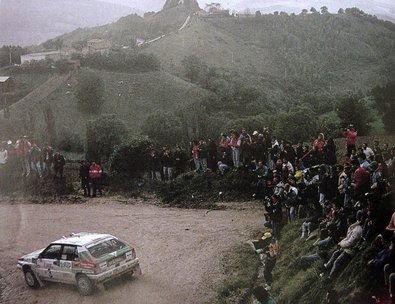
(68, 257)
(48, 262)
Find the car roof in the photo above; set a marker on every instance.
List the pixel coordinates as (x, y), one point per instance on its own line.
(82, 238)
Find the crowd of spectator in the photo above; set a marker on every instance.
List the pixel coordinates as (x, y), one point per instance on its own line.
(25, 157)
(343, 204)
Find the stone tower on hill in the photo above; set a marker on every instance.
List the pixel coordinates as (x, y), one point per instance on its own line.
(190, 4)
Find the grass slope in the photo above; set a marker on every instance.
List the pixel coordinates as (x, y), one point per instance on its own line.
(289, 53)
(132, 97)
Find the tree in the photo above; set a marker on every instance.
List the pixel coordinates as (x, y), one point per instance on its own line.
(313, 10)
(164, 128)
(102, 135)
(340, 11)
(304, 11)
(258, 14)
(194, 67)
(298, 125)
(385, 103)
(353, 109)
(324, 10)
(89, 92)
(130, 159)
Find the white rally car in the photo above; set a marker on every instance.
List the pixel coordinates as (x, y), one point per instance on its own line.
(83, 259)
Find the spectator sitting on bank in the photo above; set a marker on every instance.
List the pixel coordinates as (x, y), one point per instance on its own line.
(323, 247)
(389, 272)
(224, 163)
(383, 257)
(346, 248)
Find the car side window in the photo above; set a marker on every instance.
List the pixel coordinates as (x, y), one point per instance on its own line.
(52, 252)
(69, 253)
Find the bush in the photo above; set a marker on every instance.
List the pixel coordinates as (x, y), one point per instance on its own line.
(69, 141)
(89, 92)
(130, 159)
(102, 135)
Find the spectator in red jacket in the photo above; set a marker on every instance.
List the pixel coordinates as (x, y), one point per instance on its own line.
(95, 175)
(351, 139)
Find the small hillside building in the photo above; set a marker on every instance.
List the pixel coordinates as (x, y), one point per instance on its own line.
(54, 55)
(7, 84)
(98, 46)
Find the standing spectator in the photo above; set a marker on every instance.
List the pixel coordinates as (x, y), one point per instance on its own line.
(368, 151)
(318, 148)
(180, 158)
(270, 262)
(35, 159)
(378, 157)
(330, 153)
(58, 164)
(95, 175)
(154, 164)
(212, 158)
(84, 176)
(47, 157)
(22, 148)
(3, 156)
(351, 139)
(223, 143)
(235, 146)
(203, 154)
(168, 163)
(3, 162)
(196, 155)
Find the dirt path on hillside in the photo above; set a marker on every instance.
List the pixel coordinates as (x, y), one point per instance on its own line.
(180, 251)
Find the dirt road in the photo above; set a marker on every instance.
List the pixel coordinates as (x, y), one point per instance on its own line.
(180, 251)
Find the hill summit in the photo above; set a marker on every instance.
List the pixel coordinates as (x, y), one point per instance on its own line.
(190, 4)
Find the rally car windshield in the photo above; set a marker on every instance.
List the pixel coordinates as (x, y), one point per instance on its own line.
(105, 247)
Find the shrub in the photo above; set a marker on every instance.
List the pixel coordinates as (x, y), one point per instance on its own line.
(69, 141)
(102, 135)
(130, 159)
(89, 92)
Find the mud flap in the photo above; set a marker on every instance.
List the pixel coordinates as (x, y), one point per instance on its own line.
(38, 278)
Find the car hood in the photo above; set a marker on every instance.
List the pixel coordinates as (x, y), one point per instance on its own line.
(33, 254)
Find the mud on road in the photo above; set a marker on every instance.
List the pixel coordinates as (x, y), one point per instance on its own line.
(180, 251)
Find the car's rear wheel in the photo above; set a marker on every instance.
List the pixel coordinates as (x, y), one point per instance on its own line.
(85, 285)
(30, 279)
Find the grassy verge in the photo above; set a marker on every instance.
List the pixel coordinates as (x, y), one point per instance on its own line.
(241, 267)
(292, 284)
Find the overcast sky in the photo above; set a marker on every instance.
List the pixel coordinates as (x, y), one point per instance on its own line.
(333, 5)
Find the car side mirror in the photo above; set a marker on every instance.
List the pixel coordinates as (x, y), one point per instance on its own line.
(56, 262)
(40, 256)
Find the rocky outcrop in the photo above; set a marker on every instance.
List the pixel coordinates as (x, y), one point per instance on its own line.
(190, 4)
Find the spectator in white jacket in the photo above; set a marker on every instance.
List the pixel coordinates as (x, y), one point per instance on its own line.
(346, 247)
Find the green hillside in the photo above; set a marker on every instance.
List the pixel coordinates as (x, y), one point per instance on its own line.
(132, 97)
(290, 54)
(287, 56)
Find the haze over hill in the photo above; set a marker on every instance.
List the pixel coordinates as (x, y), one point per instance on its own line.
(384, 9)
(24, 22)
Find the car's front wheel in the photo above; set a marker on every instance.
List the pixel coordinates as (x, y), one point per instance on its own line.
(30, 279)
(85, 285)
